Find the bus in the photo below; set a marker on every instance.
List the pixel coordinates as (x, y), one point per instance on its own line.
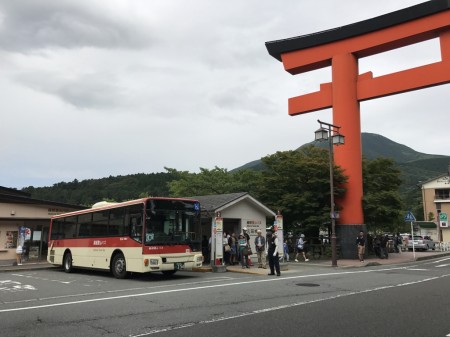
(138, 236)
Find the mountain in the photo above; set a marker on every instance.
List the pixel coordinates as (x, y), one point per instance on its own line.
(375, 146)
(415, 166)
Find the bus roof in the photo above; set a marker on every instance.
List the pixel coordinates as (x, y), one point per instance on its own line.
(109, 205)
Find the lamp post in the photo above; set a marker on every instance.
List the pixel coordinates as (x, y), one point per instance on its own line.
(325, 133)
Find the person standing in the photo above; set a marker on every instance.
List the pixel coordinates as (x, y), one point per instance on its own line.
(247, 237)
(286, 250)
(243, 246)
(384, 247)
(272, 253)
(260, 244)
(19, 252)
(361, 246)
(233, 241)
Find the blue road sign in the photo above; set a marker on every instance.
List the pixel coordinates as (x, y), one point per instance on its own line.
(410, 217)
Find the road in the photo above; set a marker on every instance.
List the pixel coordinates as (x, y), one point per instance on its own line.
(398, 300)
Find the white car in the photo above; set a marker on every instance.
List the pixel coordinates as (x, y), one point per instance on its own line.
(421, 242)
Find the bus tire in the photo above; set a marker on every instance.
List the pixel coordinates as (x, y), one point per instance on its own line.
(119, 266)
(67, 262)
(168, 272)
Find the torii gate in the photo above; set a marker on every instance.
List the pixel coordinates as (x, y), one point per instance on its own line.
(341, 48)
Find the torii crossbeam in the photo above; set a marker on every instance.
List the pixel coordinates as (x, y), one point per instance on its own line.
(341, 48)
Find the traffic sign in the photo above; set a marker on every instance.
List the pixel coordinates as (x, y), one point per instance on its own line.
(410, 217)
(443, 219)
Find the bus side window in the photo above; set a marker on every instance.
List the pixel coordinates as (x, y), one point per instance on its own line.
(136, 227)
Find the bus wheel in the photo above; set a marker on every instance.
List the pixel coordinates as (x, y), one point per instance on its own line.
(119, 267)
(168, 272)
(67, 262)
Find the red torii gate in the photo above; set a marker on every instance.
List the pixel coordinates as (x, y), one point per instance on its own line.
(341, 48)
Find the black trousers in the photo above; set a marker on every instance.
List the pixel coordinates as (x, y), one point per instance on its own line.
(274, 263)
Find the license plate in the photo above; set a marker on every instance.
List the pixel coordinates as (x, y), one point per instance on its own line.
(179, 266)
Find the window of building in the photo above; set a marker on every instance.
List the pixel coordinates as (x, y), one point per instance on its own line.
(442, 193)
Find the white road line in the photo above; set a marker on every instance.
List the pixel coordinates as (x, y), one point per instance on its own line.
(255, 312)
(216, 279)
(189, 289)
(442, 265)
(441, 260)
(417, 269)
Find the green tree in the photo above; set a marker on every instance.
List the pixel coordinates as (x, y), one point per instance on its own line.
(382, 203)
(298, 184)
(215, 181)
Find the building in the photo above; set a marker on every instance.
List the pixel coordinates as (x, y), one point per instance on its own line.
(238, 211)
(436, 203)
(18, 210)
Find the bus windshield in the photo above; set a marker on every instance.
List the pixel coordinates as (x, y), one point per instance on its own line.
(172, 222)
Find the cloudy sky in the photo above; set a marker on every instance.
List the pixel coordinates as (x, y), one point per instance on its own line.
(91, 89)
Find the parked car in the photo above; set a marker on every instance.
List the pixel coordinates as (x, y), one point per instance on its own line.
(421, 242)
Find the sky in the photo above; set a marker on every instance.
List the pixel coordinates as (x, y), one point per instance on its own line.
(91, 89)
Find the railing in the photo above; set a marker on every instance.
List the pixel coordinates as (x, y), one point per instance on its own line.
(443, 246)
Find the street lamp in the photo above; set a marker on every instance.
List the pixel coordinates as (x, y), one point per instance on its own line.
(325, 133)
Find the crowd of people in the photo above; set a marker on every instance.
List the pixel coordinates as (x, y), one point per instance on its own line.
(237, 250)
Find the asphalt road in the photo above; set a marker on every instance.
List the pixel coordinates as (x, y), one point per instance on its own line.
(397, 300)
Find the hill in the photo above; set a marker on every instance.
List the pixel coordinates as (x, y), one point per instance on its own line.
(415, 167)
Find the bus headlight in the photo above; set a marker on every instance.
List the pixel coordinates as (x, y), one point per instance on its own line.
(199, 258)
(153, 262)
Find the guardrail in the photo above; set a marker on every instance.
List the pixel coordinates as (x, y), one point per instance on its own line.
(443, 246)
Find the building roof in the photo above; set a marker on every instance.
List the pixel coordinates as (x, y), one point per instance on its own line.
(425, 224)
(11, 195)
(219, 202)
(278, 47)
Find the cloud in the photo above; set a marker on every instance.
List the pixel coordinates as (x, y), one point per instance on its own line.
(98, 88)
(40, 24)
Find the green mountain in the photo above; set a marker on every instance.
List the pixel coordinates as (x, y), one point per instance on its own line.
(415, 167)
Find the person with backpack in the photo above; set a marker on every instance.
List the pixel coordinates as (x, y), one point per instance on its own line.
(301, 248)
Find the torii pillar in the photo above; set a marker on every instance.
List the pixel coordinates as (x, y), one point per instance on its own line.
(341, 48)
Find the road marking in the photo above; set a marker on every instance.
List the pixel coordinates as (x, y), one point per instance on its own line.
(417, 269)
(286, 306)
(13, 286)
(441, 260)
(42, 278)
(203, 287)
(442, 265)
(215, 279)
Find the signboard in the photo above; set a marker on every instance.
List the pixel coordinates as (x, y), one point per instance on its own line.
(410, 217)
(218, 237)
(443, 219)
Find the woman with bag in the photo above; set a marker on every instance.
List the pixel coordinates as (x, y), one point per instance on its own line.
(243, 250)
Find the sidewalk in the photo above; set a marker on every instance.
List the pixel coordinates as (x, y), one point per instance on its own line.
(394, 258)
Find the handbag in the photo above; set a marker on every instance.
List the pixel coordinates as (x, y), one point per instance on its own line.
(227, 248)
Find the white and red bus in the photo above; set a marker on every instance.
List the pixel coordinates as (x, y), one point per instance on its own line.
(144, 235)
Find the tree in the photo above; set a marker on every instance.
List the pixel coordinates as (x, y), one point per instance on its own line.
(298, 184)
(215, 181)
(382, 203)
